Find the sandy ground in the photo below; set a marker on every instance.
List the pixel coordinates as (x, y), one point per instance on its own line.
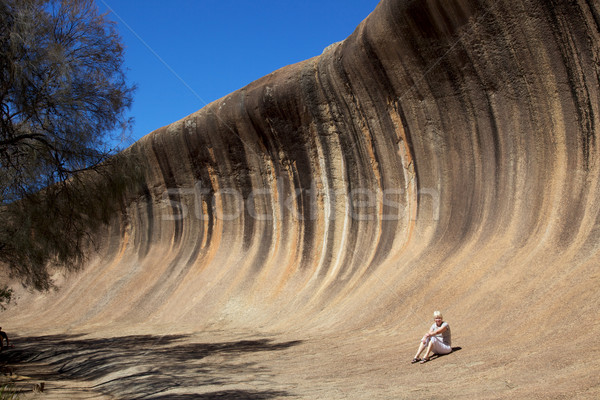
(238, 365)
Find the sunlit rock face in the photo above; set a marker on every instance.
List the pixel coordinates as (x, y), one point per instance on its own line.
(444, 156)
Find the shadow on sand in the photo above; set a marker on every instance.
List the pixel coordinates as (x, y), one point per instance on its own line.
(147, 366)
(436, 356)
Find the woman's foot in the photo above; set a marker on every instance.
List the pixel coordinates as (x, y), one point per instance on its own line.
(423, 361)
(415, 360)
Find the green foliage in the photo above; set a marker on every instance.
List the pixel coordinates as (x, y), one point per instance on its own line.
(62, 94)
(62, 91)
(8, 392)
(55, 227)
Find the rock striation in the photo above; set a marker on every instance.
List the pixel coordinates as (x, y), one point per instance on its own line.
(444, 156)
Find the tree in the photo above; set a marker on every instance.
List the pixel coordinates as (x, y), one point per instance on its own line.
(62, 93)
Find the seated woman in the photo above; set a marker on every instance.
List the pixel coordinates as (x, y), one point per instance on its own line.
(438, 339)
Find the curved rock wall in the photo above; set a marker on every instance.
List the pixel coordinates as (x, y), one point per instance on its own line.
(445, 155)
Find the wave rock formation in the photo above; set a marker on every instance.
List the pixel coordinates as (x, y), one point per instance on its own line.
(444, 156)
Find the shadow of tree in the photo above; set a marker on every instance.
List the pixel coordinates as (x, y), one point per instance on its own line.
(226, 394)
(147, 366)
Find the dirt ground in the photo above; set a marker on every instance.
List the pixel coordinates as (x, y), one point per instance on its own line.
(238, 365)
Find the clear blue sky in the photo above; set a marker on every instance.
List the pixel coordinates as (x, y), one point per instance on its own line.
(184, 54)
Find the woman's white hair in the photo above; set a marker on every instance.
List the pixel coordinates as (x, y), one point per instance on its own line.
(437, 314)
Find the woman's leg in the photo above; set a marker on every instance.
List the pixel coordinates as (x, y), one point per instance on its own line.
(424, 342)
(421, 347)
(440, 347)
(428, 350)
